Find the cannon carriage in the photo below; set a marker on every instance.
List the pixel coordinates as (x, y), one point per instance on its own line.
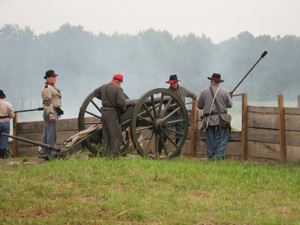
(145, 122)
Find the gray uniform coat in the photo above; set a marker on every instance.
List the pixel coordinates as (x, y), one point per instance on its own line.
(205, 101)
(182, 92)
(51, 98)
(113, 99)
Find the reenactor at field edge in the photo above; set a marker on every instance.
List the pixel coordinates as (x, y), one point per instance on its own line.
(6, 112)
(51, 97)
(113, 105)
(216, 135)
(182, 92)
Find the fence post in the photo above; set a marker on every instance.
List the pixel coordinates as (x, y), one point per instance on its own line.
(194, 130)
(298, 100)
(282, 138)
(244, 126)
(15, 133)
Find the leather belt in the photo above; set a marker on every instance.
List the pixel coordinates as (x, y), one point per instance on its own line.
(213, 113)
(107, 109)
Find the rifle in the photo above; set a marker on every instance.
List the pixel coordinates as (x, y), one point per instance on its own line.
(262, 55)
(28, 110)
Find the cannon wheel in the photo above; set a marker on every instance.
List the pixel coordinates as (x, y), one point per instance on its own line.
(90, 114)
(152, 121)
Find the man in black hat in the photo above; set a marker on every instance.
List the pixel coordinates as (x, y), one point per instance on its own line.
(182, 92)
(6, 112)
(51, 96)
(113, 104)
(216, 135)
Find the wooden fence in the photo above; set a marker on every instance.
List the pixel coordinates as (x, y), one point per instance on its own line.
(271, 133)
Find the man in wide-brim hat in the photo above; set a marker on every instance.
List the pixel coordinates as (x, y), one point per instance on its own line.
(182, 92)
(6, 112)
(216, 135)
(51, 97)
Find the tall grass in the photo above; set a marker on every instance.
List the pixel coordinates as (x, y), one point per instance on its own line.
(143, 191)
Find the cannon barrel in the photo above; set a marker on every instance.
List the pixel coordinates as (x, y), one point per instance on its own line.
(32, 142)
(148, 102)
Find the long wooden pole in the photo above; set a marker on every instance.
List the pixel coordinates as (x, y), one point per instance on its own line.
(15, 133)
(194, 130)
(244, 126)
(282, 138)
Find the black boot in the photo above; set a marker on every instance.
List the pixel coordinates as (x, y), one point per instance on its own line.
(2, 153)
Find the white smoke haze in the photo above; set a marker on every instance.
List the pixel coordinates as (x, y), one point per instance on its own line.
(84, 61)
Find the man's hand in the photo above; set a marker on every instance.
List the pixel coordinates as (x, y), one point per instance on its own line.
(52, 118)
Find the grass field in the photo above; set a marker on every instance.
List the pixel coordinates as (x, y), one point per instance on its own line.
(142, 191)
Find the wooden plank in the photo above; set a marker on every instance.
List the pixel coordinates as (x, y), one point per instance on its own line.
(292, 110)
(244, 127)
(293, 138)
(263, 109)
(15, 133)
(272, 136)
(31, 127)
(272, 151)
(193, 129)
(292, 122)
(67, 124)
(263, 135)
(262, 120)
(263, 150)
(38, 126)
(293, 153)
(233, 148)
(282, 137)
(270, 121)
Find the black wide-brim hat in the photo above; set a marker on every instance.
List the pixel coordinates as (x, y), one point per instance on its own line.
(2, 95)
(173, 78)
(50, 73)
(216, 77)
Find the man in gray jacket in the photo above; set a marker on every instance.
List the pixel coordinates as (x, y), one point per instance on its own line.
(216, 135)
(113, 104)
(51, 96)
(182, 92)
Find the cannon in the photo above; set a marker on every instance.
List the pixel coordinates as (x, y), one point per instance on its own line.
(145, 121)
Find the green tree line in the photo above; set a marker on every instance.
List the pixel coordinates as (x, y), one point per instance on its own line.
(84, 60)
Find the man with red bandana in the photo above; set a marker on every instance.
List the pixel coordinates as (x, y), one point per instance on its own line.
(182, 92)
(113, 104)
(51, 96)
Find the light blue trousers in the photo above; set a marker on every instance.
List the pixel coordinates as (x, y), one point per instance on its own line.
(216, 141)
(50, 133)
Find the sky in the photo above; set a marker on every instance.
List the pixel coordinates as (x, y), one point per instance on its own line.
(219, 20)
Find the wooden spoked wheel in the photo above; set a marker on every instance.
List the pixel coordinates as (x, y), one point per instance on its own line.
(90, 115)
(151, 117)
